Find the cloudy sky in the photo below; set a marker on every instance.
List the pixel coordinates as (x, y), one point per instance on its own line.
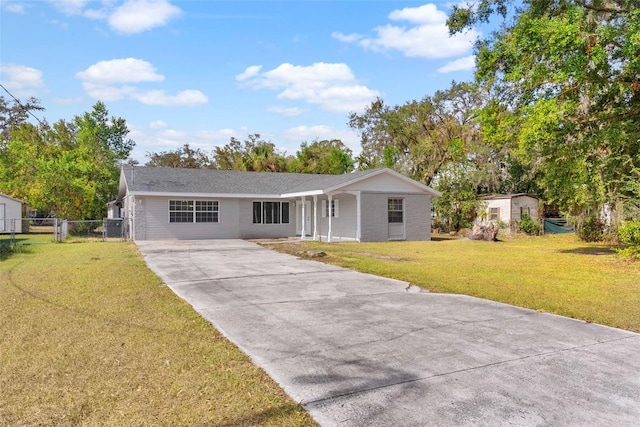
(200, 72)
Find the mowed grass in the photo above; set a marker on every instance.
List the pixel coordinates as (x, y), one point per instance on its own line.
(553, 273)
(90, 336)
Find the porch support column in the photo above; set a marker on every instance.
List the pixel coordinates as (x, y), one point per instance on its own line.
(330, 202)
(303, 219)
(358, 219)
(315, 218)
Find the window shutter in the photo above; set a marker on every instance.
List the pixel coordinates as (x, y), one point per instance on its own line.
(336, 208)
(324, 209)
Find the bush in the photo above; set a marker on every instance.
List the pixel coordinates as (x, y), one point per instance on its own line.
(528, 225)
(629, 234)
(591, 230)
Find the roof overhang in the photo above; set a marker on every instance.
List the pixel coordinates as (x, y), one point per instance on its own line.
(205, 195)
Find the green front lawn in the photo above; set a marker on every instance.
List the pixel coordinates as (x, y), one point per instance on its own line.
(553, 273)
(90, 336)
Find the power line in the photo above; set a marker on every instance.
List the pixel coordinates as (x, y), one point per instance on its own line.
(21, 105)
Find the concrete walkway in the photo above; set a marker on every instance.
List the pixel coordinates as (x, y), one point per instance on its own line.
(360, 350)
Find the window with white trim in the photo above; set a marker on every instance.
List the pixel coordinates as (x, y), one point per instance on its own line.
(194, 211)
(395, 211)
(335, 208)
(494, 214)
(271, 212)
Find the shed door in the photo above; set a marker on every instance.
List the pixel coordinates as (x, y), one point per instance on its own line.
(2, 219)
(395, 215)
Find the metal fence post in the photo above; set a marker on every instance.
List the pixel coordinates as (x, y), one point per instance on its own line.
(55, 229)
(13, 230)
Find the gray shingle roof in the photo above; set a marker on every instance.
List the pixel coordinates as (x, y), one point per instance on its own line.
(176, 180)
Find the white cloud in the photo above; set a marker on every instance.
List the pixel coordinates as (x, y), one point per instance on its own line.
(346, 38)
(288, 112)
(425, 36)
(129, 70)
(69, 7)
(425, 14)
(220, 135)
(108, 81)
(12, 6)
(136, 16)
(68, 101)
(463, 64)
(332, 86)
(23, 81)
(157, 124)
(159, 97)
(251, 71)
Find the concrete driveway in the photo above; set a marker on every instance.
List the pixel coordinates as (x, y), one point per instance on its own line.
(360, 350)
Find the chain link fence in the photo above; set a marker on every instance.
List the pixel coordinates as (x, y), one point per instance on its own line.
(105, 230)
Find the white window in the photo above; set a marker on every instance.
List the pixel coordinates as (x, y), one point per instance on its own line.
(271, 212)
(525, 210)
(395, 211)
(335, 208)
(193, 211)
(494, 214)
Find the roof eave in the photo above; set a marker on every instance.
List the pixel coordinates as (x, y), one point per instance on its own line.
(205, 195)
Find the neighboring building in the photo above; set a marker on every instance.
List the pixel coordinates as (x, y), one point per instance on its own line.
(371, 205)
(12, 211)
(509, 208)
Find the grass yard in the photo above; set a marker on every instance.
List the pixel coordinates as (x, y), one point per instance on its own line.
(90, 336)
(553, 273)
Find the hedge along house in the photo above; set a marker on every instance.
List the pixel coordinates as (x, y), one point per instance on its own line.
(371, 205)
(509, 208)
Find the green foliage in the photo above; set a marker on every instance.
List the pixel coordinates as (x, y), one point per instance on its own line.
(565, 95)
(591, 229)
(324, 157)
(184, 157)
(69, 169)
(457, 207)
(254, 154)
(419, 138)
(629, 234)
(528, 225)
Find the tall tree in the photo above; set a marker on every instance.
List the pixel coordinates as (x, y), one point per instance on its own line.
(325, 157)
(13, 113)
(184, 157)
(565, 77)
(420, 137)
(255, 154)
(69, 169)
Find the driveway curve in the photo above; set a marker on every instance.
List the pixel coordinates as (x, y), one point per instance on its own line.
(361, 350)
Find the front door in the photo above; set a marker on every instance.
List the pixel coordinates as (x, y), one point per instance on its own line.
(307, 218)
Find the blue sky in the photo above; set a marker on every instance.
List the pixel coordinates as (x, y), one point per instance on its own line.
(200, 72)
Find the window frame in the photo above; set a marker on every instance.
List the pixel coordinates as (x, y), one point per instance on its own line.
(335, 208)
(194, 211)
(393, 210)
(497, 214)
(260, 208)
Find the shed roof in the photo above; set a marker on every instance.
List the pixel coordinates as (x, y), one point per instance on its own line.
(13, 198)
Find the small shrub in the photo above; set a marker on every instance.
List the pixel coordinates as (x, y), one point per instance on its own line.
(629, 234)
(591, 230)
(528, 225)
